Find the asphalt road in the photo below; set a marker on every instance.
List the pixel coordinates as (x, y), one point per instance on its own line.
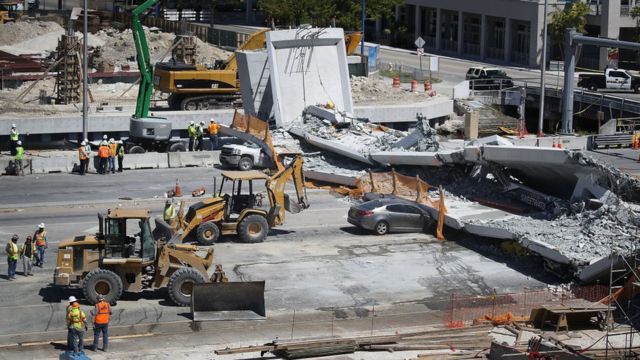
(313, 263)
(453, 70)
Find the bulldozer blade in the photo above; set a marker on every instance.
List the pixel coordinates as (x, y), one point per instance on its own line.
(291, 206)
(228, 301)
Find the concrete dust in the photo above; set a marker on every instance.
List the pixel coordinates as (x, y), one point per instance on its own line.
(378, 90)
(44, 44)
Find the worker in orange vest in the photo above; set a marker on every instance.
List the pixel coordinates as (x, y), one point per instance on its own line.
(213, 134)
(113, 151)
(101, 313)
(40, 238)
(84, 157)
(103, 154)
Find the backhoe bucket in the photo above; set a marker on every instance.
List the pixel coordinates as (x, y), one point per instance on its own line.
(228, 301)
(291, 206)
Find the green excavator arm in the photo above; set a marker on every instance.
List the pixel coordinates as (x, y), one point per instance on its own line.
(143, 58)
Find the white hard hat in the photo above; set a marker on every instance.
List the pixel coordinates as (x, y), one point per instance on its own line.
(212, 120)
(72, 299)
(119, 141)
(86, 140)
(19, 142)
(191, 122)
(112, 140)
(202, 122)
(41, 225)
(104, 137)
(13, 126)
(104, 142)
(83, 143)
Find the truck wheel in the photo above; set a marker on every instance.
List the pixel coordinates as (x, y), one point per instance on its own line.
(136, 149)
(177, 147)
(592, 87)
(207, 233)
(102, 282)
(181, 285)
(636, 89)
(245, 163)
(253, 229)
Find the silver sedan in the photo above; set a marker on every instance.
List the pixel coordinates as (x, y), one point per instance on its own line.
(390, 216)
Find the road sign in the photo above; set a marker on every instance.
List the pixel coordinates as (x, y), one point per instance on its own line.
(433, 63)
(420, 51)
(419, 42)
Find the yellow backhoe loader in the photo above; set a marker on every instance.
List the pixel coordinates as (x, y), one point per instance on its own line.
(242, 214)
(127, 256)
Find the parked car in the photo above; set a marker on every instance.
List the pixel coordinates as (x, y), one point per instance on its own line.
(612, 79)
(481, 78)
(390, 215)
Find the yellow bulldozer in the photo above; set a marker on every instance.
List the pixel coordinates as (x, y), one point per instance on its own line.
(197, 87)
(242, 214)
(127, 256)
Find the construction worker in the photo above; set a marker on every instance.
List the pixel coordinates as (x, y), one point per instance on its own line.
(72, 299)
(83, 156)
(169, 212)
(14, 135)
(28, 254)
(18, 159)
(42, 244)
(101, 312)
(12, 257)
(113, 147)
(103, 154)
(191, 131)
(120, 152)
(77, 324)
(199, 135)
(213, 134)
(87, 149)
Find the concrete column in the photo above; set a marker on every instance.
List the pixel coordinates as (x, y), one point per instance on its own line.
(609, 27)
(535, 41)
(460, 30)
(418, 18)
(507, 39)
(438, 27)
(483, 35)
(249, 15)
(378, 28)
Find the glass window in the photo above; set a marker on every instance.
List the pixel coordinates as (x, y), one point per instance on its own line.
(395, 208)
(148, 244)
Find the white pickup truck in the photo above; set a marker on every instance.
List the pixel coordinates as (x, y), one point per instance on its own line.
(612, 79)
(244, 156)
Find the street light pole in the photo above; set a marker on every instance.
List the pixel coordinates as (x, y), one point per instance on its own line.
(85, 69)
(543, 69)
(364, 6)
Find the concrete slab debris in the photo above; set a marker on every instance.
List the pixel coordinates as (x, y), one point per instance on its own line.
(308, 66)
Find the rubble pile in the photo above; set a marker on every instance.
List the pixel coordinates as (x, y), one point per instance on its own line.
(377, 90)
(582, 235)
(119, 48)
(16, 32)
(623, 185)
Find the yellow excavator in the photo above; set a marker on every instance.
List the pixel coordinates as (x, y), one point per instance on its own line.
(242, 214)
(9, 11)
(196, 87)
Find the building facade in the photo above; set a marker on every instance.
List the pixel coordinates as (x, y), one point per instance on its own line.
(510, 31)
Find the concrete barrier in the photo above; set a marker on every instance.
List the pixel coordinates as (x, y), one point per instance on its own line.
(198, 158)
(53, 164)
(150, 160)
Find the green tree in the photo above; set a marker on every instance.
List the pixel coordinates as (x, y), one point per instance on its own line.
(573, 15)
(322, 12)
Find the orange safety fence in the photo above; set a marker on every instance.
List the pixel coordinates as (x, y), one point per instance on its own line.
(500, 309)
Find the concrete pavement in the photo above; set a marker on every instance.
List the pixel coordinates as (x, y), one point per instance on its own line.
(313, 264)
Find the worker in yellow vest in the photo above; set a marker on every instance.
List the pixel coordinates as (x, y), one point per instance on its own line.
(14, 136)
(113, 147)
(18, 159)
(120, 151)
(12, 257)
(40, 237)
(83, 156)
(169, 212)
(191, 131)
(28, 254)
(199, 136)
(76, 324)
(101, 313)
(213, 134)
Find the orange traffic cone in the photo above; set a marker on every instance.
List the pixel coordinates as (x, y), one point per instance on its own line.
(178, 191)
(560, 144)
(554, 143)
(396, 82)
(636, 142)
